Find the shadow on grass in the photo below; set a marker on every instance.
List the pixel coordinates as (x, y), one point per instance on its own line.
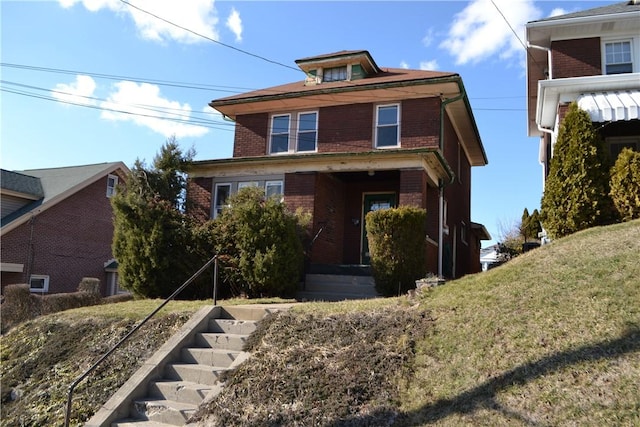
(483, 396)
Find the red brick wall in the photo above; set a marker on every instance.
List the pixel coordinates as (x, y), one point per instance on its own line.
(199, 198)
(458, 197)
(251, 135)
(330, 213)
(575, 58)
(345, 128)
(420, 123)
(69, 241)
(413, 188)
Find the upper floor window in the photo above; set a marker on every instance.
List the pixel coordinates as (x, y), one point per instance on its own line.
(112, 183)
(387, 126)
(304, 130)
(307, 131)
(335, 74)
(617, 57)
(280, 134)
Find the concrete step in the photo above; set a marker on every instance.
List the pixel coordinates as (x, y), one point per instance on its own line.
(232, 326)
(181, 391)
(164, 411)
(221, 341)
(324, 296)
(206, 375)
(251, 312)
(208, 356)
(139, 423)
(322, 280)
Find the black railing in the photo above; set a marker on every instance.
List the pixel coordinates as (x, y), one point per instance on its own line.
(86, 373)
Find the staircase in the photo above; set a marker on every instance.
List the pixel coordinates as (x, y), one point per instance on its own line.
(337, 283)
(184, 372)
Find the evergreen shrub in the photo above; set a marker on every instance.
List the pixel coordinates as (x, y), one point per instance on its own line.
(260, 245)
(625, 184)
(576, 193)
(397, 247)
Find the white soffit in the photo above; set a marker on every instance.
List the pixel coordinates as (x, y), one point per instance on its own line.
(611, 106)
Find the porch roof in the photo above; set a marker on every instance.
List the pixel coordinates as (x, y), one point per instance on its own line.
(611, 106)
(428, 159)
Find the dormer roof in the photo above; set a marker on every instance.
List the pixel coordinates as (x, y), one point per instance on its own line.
(338, 59)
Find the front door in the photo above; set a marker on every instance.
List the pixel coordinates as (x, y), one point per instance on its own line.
(373, 202)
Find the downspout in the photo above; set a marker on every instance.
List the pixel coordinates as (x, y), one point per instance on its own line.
(441, 183)
(549, 60)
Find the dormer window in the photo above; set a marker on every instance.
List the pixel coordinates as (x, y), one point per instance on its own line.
(335, 74)
(617, 57)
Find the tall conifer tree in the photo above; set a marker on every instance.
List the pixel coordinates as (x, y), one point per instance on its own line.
(576, 193)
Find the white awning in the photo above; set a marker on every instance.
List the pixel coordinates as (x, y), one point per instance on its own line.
(611, 106)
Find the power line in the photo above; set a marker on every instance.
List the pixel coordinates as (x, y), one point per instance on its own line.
(517, 37)
(209, 38)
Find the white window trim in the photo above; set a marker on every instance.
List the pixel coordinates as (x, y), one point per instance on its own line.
(375, 130)
(633, 41)
(297, 149)
(271, 134)
(274, 183)
(112, 190)
(244, 184)
(215, 197)
(45, 286)
(292, 147)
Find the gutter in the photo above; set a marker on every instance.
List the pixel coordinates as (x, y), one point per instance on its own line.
(549, 58)
(442, 183)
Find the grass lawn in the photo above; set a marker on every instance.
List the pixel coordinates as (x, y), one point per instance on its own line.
(551, 338)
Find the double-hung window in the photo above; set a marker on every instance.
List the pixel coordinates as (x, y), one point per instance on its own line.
(112, 183)
(617, 57)
(280, 129)
(307, 131)
(335, 74)
(387, 126)
(222, 193)
(273, 189)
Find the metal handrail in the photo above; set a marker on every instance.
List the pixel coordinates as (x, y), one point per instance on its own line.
(77, 381)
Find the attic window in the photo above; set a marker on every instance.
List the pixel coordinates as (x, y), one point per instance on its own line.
(335, 74)
(112, 183)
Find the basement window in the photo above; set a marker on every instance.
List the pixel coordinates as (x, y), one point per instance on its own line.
(39, 283)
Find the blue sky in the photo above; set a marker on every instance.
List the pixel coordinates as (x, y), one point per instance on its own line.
(92, 81)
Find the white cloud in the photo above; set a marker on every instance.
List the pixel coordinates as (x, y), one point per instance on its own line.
(78, 92)
(234, 23)
(143, 105)
(404, 64)
(429, 65)
(428, 38)
(480, 31)
(557, 12)
(198, 16)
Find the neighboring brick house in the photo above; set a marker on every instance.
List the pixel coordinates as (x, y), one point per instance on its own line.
(591, 57)
(57, 227)
(351, 137)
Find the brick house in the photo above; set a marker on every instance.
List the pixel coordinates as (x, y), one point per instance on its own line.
(57, 227)
(351, 137)
(591, 57)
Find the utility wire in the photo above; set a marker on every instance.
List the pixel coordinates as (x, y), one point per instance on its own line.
(524, 46)
(209, 38)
